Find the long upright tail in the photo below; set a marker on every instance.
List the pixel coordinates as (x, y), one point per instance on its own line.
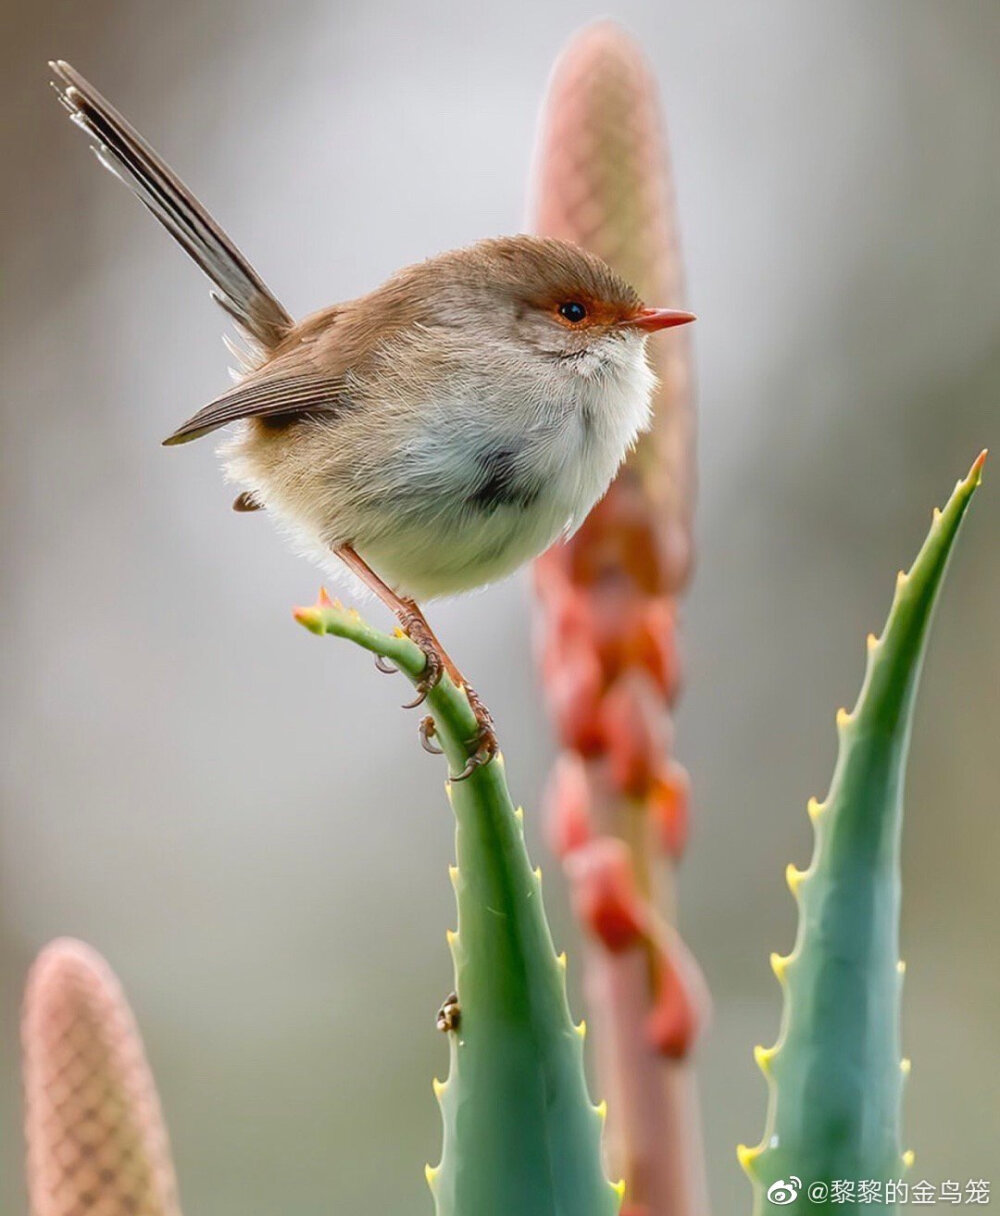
(120, 148)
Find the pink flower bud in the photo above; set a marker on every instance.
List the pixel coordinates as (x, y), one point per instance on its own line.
(673, 1023)
(604, 894)
(568, 806)
(654, 643)
(668, 802)
(573, 685)
(636, 730)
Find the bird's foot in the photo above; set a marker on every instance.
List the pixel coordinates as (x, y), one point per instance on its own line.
(485, 739)
(419, 632)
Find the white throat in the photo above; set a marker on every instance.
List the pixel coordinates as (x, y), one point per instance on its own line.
(614, 391)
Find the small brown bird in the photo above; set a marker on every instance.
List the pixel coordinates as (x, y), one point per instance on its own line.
(434, 434)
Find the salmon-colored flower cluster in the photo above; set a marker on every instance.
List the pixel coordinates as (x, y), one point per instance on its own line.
(610, 672)
(608, 902)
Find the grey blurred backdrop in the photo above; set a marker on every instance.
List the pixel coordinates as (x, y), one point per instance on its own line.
(237, 814)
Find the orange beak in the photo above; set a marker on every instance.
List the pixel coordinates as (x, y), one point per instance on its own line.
(651, 319)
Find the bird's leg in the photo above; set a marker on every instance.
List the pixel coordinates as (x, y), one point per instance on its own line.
(414, 625)
(412, 620)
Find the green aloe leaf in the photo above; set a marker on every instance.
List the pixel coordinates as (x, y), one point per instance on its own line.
(836, 1075)
(521, 1136)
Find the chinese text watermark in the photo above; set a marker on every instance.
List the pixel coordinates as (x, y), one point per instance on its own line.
(870, 1190)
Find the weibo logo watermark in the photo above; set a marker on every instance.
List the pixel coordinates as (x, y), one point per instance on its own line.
(785, 1190)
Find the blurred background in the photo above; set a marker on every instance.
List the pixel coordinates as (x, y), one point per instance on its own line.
(237, 814)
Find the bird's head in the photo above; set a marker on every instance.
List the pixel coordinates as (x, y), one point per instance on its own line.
(548, 299)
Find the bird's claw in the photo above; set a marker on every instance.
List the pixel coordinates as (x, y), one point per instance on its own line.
(485, 739)
(415, 628)
(430, 679)
(383, 664)
(427, 733)
(476, 760)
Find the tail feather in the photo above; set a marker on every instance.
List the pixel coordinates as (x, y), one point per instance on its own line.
(120, 148)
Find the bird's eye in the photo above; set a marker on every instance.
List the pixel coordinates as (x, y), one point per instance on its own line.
(573, 311)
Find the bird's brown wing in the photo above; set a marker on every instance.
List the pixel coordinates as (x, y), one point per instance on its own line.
(266, 396)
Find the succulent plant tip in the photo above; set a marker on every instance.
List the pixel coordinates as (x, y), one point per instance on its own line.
(311, 617)
(977, 465)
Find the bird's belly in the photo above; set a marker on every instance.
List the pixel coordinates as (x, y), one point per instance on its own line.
(456, 548)
(469, 504)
